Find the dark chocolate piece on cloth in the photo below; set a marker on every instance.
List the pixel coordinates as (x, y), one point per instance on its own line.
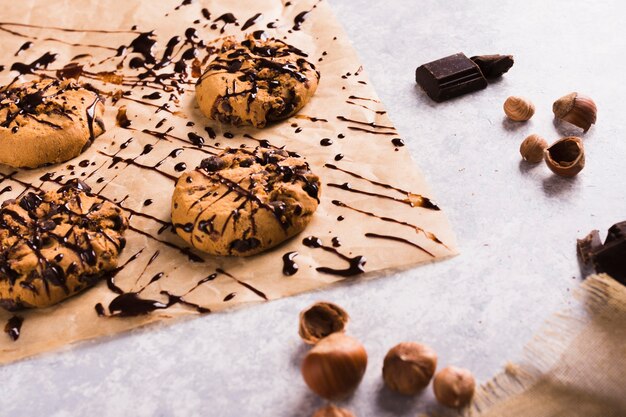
(586, 246)
(493, 66)
(450, 77)
(616, 232)
(610, 257)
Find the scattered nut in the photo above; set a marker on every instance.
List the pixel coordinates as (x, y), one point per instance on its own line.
(576, 109)
(566, 156)
(454, 387)
(320, 320)
(409, 367)
(334, 367)
(518, 109)
(532, 148)
(332, 411)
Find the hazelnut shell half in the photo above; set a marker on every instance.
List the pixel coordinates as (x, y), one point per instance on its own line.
(577, 109)
(334, 367)
(320, 320)
(566, 156)
(408, 367)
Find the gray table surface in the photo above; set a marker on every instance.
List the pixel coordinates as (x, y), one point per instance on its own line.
(516, 226)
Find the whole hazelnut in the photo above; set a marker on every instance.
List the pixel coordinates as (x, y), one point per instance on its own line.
(566, 156)
(332, 411)
(576, 109)
(532, 148)
(518, 109)
(320, 320)
(334, 367)
(454, 387)
(409, 367)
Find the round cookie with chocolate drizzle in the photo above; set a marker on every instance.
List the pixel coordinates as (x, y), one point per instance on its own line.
(244, 201)
(47, 122)
(256, 82)
(56, 244)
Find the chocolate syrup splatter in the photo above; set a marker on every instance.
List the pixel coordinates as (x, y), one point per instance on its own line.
(13, 327)
(251, 21)
(289, 265)
(414, 199)
(355, 265)
(398, 239)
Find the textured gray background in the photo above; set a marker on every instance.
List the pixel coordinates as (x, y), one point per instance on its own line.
(516, 227)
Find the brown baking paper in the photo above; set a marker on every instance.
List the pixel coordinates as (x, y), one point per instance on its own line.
(575, 366)
(417, 234)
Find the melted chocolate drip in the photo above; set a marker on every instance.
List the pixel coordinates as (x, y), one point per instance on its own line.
(41, 62)
(289, 265)
(398, 239)
(13, 327)
(417, 200)
(355, 264)
(251, 21)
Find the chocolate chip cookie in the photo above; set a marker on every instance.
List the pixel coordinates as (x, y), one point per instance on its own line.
(256, 82)
(47, 122)
(55, 244)
(244, 201)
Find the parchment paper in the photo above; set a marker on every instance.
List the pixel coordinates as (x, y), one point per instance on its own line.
(344, 91)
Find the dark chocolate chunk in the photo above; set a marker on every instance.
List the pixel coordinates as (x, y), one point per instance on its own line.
(450, 77)
(493, 66)
(586, 246)
(610, 257)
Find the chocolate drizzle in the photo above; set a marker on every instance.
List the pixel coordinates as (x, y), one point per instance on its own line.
(13, 327)
(355, 264)
(414, 200)
(398, 239)
(290, 267)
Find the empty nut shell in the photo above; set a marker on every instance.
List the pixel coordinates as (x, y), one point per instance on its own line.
(518, 109)
(532, 148)
(454, 387)
(566, 156)
(576, 109)
(409, 367)
(332, 411)
(334, 367)
(320, 320)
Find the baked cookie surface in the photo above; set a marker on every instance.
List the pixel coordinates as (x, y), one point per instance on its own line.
(244, 201)
(47, 122)
(256, 82)
(55, 244)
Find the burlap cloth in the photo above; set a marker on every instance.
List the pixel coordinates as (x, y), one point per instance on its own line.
(574, 367)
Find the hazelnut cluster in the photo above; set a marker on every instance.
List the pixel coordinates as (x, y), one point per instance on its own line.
(566, 156)
(335, 365)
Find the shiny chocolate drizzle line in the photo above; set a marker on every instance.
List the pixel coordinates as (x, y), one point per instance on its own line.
(355, 265)
(41, 229)
(412, 198)
(290, 267)
(243, 284)
(429, 235)
(129, 303)
(397, 239)
(13, 327)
